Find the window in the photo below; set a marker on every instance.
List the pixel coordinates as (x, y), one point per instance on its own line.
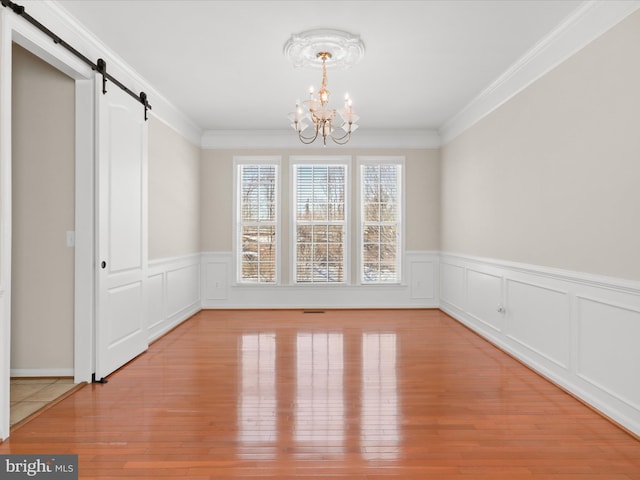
(380, 219)
(257, 232)
(319, 231)
(319, 220)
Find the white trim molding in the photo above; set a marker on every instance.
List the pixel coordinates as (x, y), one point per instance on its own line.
(43, 372)
(6, 35)
(15, 29)
(419, 291)
(57, 19)
(585, 24)
(580, 331)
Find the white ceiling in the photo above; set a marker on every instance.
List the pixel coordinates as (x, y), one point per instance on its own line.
(221, 62)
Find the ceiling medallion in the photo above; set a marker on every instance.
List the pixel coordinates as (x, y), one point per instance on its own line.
(302, 48)
(323, 48)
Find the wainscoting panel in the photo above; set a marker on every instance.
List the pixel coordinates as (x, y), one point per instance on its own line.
(538, 318)
(452, 285)
(581, 331)
(608, 362)
(485, 298)
(418, 290)
(216, 276)
(156, 301)
(183, 288)
(423, 279)
(173, 292)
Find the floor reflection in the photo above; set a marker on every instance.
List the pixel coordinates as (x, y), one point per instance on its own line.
(316, 426)
(258, 431)
(379, 436)
(319, 412)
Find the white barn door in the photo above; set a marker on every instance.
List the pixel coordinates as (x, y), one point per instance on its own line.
(121, 325)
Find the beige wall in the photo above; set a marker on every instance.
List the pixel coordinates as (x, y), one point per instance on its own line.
(43, 137)
(552, 178)
(174, 193)
(422, 195)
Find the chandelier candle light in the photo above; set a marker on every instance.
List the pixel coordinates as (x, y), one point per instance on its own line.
(340, 49)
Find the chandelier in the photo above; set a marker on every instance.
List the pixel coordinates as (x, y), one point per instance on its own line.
(314, 118)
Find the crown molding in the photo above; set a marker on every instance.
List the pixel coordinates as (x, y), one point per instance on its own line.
(589, 21)
(585, 24)
(57, 19)
(247, 139)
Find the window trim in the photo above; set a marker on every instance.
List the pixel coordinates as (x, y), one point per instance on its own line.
(238, 161)
(380, 160)
(343, 160)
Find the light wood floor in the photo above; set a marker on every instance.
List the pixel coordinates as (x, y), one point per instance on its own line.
(344, 394)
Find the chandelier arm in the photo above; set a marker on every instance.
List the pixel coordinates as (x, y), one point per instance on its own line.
(308, 140)
(342, 137)
(347, 135)
(339, 140)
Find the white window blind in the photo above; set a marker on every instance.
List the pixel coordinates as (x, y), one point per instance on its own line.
(257, 236)
(381, 214)
(320, 223)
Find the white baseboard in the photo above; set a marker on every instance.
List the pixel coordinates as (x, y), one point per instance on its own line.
(580, 331)
(41, 372)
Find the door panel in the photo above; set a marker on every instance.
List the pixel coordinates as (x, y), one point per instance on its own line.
(124, 313)
(125, 186)
(121, 327)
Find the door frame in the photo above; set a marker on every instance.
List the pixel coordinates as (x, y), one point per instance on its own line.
(15, 30)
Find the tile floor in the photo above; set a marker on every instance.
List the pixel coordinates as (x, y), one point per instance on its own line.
(28, 395)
